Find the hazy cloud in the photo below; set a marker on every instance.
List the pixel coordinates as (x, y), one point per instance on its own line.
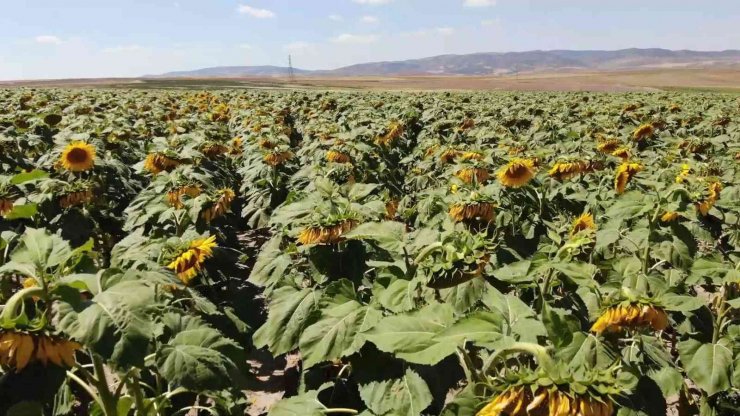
(372, 2)
(348, 38)
(48, 40)
(255, 12)
(490, 22)
(479, 3)
(123, 48)
(446, 31)
(336, 17)
(369, 19)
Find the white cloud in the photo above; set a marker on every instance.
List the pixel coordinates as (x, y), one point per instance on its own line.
(255, 12)
(372, 2)
(369, 20)
(336, 17)
(479, 3)
(490, 22)
(300, 48)
(446, 31)
(48, 40)
(123, 48)
(245, 46)
(348, 38)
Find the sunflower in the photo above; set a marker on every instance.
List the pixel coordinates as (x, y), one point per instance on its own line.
(471, 156)
(277, 158)
(18, 349)
(188, 263)
(608, 145)
(684, 174)
(236, 146)
(714, 192)
(448, 155)
(670, 216)
(395, 130)
(625, 172)
(78, 157)
(213, 150)
(337, 157)
(467, 124)
(220, 207)
(584, 222)
(326, 234)
(467, 175)
(521, 401)
(619, 318)
(473, 211)
(566, 170)
(391, 208)
(674, 108)
(267, 144)
(6, 205)
(622, 153)
(643, 132)
(516, 173)
(158, 162)
(174, 196)
(76, 198)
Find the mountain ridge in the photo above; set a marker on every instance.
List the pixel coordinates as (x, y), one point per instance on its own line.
(495, 63)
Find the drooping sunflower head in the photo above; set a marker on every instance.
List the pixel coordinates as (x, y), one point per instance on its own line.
(583, 222)
(674, 108)
(608, 145)
(622, 153)
(643, 132)
(18, 349)
(188, 260)
(625, 172)
(684, 174)
(236, 146)
(277, 158)
(632, 316)
(159, 162)
(670, 216)
(6, 205)
(518, 172)
(473, 211)
(715, 188)
(220, 206)
(468, 175)
(78, 157)
(174, 196)
(326, 234)
(448, 155)
(393, 132)
(471, 155)
(566, 170)
(541, 401)
(214, 149)
(337, 156)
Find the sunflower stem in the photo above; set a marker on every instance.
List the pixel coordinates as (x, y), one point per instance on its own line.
(11, 306)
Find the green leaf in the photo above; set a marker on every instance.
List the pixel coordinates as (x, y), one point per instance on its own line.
(669, 380)
(710, 368)
(582, 274)
(306, 404)
(399, 295)
(406, 396)
(192, 359)
(465, 403)
(411, 336)
(116, 324)
(271, 264)
(483, 328)
(388, 235)
(519, 320)
(26, 409)
(28, 176)
(465, 296)
(681, 303)
(22, 211)
(289, 313)
(337, 333)
(629, 205)
(38, 247)
(517, 272)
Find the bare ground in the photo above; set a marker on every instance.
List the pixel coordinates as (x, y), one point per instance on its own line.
(721, 80)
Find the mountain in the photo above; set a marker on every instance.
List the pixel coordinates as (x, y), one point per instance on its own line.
(498, 63)
(233, 71)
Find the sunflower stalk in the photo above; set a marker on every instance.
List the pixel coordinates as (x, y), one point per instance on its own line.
(646, 250)
(10, 311)
(538, 351)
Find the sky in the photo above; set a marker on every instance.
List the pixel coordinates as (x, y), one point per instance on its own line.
(43, 39)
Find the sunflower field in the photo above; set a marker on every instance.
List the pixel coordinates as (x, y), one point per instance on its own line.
(393, 254)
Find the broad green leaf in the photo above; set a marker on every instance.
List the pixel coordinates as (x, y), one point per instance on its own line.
(306, 404)
(580, 273)
(42, 249)
(483, 328)
(337, 332)
(271, 264)
(519, 320)
(681, 303)
(411, 336)
(388, 235)
(710, 368)
(22, 212)
(406, 396)
(399, 295)
(289, 312)
(33, 175)
(517, 272)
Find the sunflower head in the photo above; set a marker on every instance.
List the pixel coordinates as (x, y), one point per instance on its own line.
(622, 153)
(625, 172)
(633, 316)
(326, 234)
(159, 162)
(584, 222)
(643, 132)
(468, 175)
(338, 157)
(472, 212)
(608, 145)
(6, 205)
(188, 262)
(541, 401)
(78, 157)
(277, 158)
(18, 349)
(220, 206)
(713, 195)
(471, 156)
(684, 174)
(518, 172)
(670, 216)
(566, 170)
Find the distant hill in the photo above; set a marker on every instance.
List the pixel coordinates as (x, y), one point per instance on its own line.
(498, 63)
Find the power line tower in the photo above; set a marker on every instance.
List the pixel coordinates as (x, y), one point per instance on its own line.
(291, 73)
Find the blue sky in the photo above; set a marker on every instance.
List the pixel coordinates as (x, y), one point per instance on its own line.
(97, 38)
